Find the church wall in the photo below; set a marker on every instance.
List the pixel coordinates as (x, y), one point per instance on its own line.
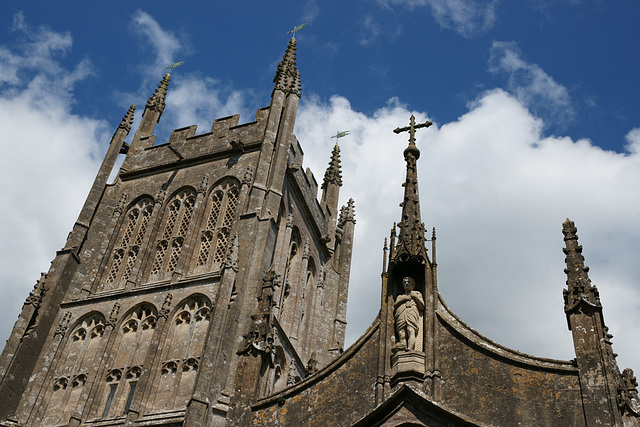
(495, 385)
(340, 394)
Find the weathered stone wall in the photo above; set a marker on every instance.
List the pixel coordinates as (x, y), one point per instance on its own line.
(338, 395)
(496, 385)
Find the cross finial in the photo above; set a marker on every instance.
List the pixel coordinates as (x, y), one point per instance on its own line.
(412, 129)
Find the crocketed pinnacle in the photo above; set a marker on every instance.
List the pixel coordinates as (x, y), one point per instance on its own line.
(127, 120)
(156, 101)
(333, 173)
(287, 76)
(579, 288)
(347, 213)
(410, 246)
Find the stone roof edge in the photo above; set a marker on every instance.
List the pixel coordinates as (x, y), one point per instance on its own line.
(500, 351)
(409, 393)
(324, 372)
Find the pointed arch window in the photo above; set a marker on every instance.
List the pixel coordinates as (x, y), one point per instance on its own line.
(125, 360)
(176, 222)
(222, 206)
(125, 254)
(181, 356)
(76, 361)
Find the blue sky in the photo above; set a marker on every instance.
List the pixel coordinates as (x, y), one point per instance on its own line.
(536, 113)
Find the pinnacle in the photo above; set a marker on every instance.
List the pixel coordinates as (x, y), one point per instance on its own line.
(333, 173)
(127, 120)
(156, 101)
(287, 77)
(579, 287)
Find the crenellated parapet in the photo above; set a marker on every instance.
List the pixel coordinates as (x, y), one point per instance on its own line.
(184, 147)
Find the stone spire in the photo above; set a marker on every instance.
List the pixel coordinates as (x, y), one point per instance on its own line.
(410, 246)
(152, 113)
(333, 173)
(156, 101)
(579, 288)
(287, 77)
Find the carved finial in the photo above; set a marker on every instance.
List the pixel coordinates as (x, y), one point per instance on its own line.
(411, 237)
(312, 365)
(628, 400)
(305, 250)
(121, 204)
(289, 223)
(113, 316)
(579, 289)
(156, 101)
(204, 184)
(166, 307)
(127, 120)
(248, 176)
(36, 295)
(287, 77)
(231, 260)
(62, 327)
(162, 193)
(350, 211)
(333, 173)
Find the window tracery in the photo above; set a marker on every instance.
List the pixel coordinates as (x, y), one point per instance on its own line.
(176, 227)
(222, 206)
(182, 350)
(125, 254)
(76, 360)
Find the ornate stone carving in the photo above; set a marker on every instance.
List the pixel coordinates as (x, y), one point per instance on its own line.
(628, 400)
(406, 313)
(260, 339)
(166, 307)
(121, 204)
(204, 184)
(156, 101)
(162, 194)
(231, 260)
(312, 365)
(113, 316)
(127, 120)
(36, 295)
(579, 289)
(248, 176)
(62, 327)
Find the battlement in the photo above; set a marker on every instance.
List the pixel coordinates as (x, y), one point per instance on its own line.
(184, 147)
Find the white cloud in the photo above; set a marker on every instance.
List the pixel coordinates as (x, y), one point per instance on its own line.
(49, 158)
(498, 192)
(467, 17)
(531, 84)
(166, 45)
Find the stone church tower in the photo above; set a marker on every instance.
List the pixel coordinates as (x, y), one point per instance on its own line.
(146, 311)
(207, 286)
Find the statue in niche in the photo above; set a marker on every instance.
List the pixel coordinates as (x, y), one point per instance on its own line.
(407, 314)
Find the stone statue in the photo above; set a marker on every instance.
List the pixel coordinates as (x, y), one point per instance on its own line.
(407, 314)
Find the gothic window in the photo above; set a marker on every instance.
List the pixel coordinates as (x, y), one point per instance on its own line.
(125, 360)
(176, 226)
(181, 355)
(221, 209)
(77, 359)
(127, 247)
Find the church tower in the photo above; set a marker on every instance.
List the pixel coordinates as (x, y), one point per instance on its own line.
(205, 276)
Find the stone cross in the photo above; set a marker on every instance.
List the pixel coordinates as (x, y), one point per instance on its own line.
(412, 129)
